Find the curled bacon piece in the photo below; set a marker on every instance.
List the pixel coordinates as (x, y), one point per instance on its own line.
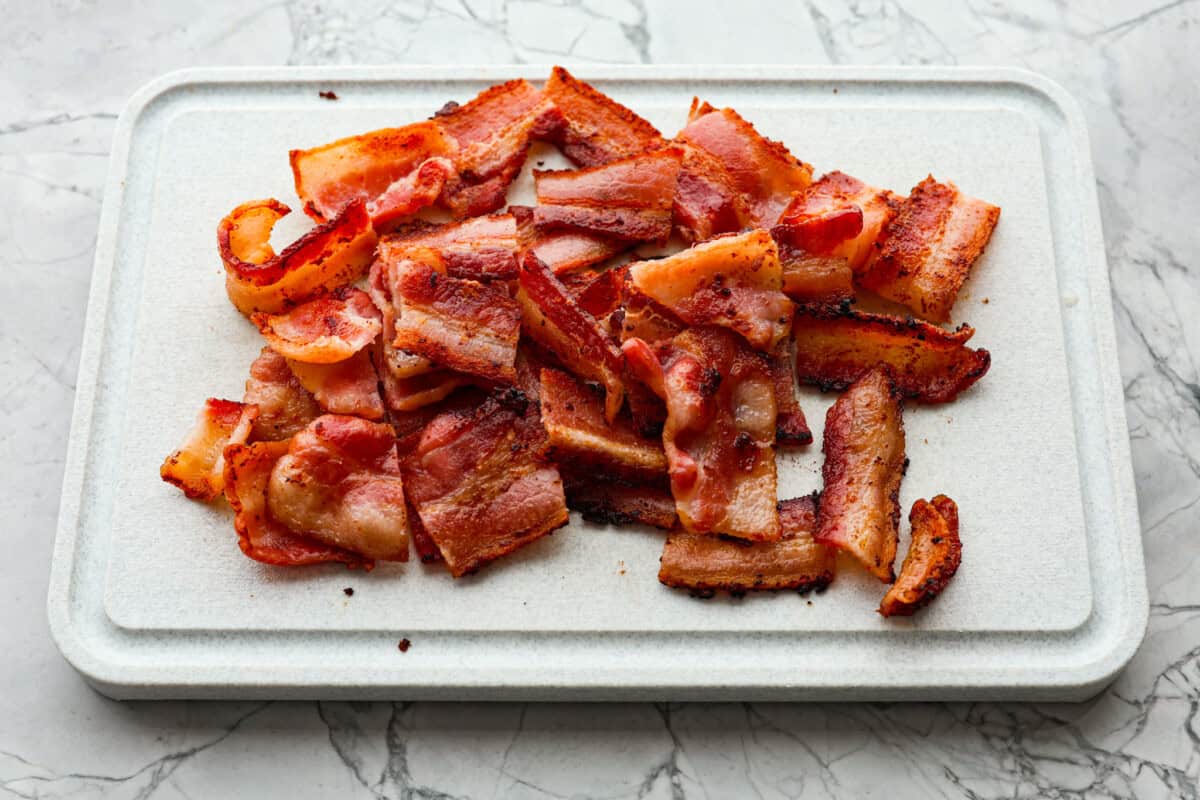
(720, 430)
(618, 503)
(791, 427)
(197, 467)
(839, 216)
(247, 475)
(597, 129)
(629, 199)
(479, 248)
(552, 318)
(340, 484)
(328, 256)
(933, 558)
(285, 407)
(347, 387)
(834, 348)
(733, 281)
(707, 564)
(478, 484)
(563, 251)
(864, 462)
(928, 248)
(323, 330)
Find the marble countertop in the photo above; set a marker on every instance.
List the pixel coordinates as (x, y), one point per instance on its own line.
(68, 69)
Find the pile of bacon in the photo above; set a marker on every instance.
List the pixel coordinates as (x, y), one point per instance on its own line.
(464, 383)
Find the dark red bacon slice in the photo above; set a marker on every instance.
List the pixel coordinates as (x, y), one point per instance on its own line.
(597, 129)
(284, 406)
(629, 199)
(706, 564)
(602, 294)
(720, 431)
(247, 475)
(834, 348)
(733, 281)
(323, 330)
(479, 485)
(423, 543)
(479, 248)
(864, 462)
(347, 387)
(197, 467)
(328, 256)
(618, 503)
(791, 427)
(838, 216)
(928, 248)
(933, 558)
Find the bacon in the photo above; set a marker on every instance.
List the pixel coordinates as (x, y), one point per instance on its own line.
(629, 199)
(933, 558)
(926, 252)
(340, 484)
(791, 427)
(864, 462)
(720, 430)
(597, 129)
(328, 256)
(285, 407)
(601, 295)
(552, 318)
(707, 564)
(815, 280)
(563, 251)
(197, 467)
(423, 543)
(247, 474)
(617, 503)
(347, 387)
(834, 348)
(839, 216)
(733, 281)
(479, 486)
(480, 248)
(324, 330)
(733, 177)
(418, 391)
(458, 323)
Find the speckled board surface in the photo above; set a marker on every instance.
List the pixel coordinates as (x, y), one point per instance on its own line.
(150, 596)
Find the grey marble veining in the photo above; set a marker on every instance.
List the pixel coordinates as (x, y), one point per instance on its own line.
(66, 70)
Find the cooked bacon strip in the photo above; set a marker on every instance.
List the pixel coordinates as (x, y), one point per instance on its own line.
(834, 348)
(423, 543)
(285, 407)
(864, 462)
(597, 129)
(815, 280)
(339, 483)
(323, 330)
(247, 475)
(328, 256)
(347, 387)
(707, 564)
(458, 323)
(933, 558)
(629, 199)
(720, 430)
(616, 503)
(838, 216)
(478, 485)
(552, 318)
(479, 248)
(392, 171)
(563, 251)
(732, 281)
(197, 466)
(602, 294)
(928, 249)
(733, 177)
(573, 416)
(791, 427)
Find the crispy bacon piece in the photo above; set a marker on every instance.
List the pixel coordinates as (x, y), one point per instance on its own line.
(285, 407)
(838, 216)
(617, 503)
(323, 330)
(393, 171)
(197, 467)
(791, 427)
(732, 177)
(247, 475)
(347, 387)
(563, 251)
(928, 249)
(552, 318)
(597, 129)
(933, 558)
(815, 280)
(340, 484)
(864, 462)
(707, 564)
(733, 281)
(479, 248)
(629, 199)
(458, 323)
(835, 347)
(478, 484)
(720, 430)
(328, 256)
